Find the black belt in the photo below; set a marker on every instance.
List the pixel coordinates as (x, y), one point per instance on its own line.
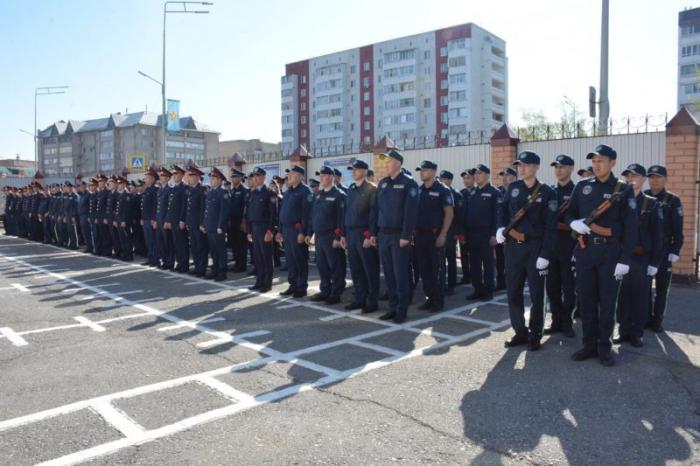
(390, 231)
(598, 240)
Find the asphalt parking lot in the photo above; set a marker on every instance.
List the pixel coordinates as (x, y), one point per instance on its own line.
(107, 362)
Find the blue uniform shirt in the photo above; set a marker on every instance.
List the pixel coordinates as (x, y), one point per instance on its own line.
(481, 209)
(621, 217)
(358, 205)
(296, 208)
(672, 220)
(328, 212)
(396, 206)
(539, 222)
(431, 204)
(216, 210)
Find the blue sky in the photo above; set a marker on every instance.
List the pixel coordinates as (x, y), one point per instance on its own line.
(225, 66)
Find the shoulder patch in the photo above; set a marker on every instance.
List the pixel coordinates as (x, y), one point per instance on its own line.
(680, 211)
(632, 202)
(413, 192)
(553, 205)
(514, 192)
(588, 189)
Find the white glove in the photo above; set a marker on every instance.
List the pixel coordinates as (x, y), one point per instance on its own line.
(621, 270)
(579, 227)
(672, 258)
(542, 263)
(500, 239)
(651, 270)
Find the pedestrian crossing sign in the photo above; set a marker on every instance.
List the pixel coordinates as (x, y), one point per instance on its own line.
(137, 162)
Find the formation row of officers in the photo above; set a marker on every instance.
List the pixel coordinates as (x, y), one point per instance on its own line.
(594, 247)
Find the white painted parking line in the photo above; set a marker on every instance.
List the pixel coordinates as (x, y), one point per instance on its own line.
(225, 389)
(117, 419)
(226, 338)
(287, 306)
(20, 287)
(339, 316)
(189, 323)
(88, 323)
(378, 348)
(14, 338)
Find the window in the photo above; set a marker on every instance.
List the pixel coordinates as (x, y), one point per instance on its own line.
(443, 84)
(399, 55)
(303, 106)
(458, 61)
(365, 82)
(443, 117)
(457, 44)
(326, 85)
(303, 93)
(365, 66)
(456, 96)
(286, 133)
(303, 133)
(365, 97)
(459, 112)
(426, 54)
(443, 67)
(443, 100)
(687, 69)
(400, 71)
(367, 125)
(328, 99)
(287, 92)
(303, 119)
(353, 69)
(365, 111)
(458, 129)
(426, 103)
(443, 51)
(458, 78)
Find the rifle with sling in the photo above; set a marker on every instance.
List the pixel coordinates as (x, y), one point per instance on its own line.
(598, 212)
(520, 215)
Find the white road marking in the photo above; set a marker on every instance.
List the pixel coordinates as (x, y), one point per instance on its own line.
(11, 335)
(20, 287)
(339, 316)
(88, 323)
(224, 388)
(226, 338)
(117, 419)
(378, 348)
(189, 323)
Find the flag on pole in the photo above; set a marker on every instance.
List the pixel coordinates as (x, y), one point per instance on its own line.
(173, 115)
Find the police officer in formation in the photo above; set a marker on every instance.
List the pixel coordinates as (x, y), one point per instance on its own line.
(363, 257)
(602, 211)
(561, 291)
(603, 239)
(261, 220)
(481, 212)
(436, 212)
(526, 226)
(392, 224)
(671, 213)
(326, 225)
(294, 218)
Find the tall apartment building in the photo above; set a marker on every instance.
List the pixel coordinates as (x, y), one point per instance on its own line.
(689, 60)
(107, 144)
(433, 88)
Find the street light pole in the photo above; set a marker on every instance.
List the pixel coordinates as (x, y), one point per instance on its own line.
(183, 9)
(39, 91)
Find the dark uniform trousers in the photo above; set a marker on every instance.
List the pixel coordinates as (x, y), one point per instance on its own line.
(464, 257)
(561, 283)
(217, 248)
(451, 256)
(115, 241)
(149, 237)
(262, 255)
(662, 279)
(297, 257)
(598, 292)
(330, 264)
(521, 259)
(633, 302)
(238, 244)
(181, 247)
(105, 237)
(139, 238)
(198, 249)
(85, 230)
(395, 262)
(431, 264)
(126, 244)
(95, 237)
(481, 261)
(364, 268)
(165, 247)
(71, 232)
(500, 266)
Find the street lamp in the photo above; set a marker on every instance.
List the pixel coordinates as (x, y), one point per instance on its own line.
(39, 91)
(179, 7)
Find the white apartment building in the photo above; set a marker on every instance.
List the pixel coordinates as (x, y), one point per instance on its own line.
(436, 88)
(689, 60)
